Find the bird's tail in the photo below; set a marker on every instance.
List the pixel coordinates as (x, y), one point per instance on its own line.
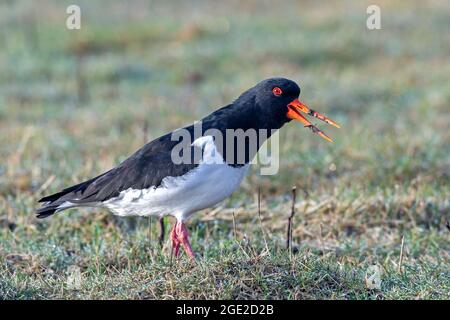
(51, 208)
(62, 200)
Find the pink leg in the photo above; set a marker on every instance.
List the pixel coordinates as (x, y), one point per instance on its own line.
(175, 241)
(183, 238)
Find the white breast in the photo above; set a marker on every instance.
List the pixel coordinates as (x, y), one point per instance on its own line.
(209, 183)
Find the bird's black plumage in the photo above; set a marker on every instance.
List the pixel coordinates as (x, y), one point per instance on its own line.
(144, 169)
(257, 108)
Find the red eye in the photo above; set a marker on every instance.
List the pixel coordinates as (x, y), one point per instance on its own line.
(277, 91)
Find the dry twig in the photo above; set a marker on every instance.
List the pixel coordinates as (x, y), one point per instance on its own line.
(291, 216)
(401, 255)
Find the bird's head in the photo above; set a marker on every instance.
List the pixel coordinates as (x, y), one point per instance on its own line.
(277, 102)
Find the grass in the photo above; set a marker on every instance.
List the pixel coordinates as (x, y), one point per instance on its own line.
(75, 103)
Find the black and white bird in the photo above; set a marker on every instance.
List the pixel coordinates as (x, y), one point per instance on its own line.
(151, 183)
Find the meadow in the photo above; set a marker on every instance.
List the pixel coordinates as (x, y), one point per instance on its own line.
(374, 204)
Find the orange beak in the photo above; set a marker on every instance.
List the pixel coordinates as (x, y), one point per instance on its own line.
(294, 109)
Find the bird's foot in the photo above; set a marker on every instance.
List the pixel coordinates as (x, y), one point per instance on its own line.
(179, 236)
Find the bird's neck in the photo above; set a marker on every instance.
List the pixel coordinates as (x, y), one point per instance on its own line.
(241, 132)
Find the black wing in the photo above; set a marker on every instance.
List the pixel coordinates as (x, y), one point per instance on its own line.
(144, 169)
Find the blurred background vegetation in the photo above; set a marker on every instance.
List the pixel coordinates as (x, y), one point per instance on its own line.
(74, 103)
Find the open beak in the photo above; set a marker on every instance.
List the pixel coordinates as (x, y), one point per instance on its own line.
(294, 112)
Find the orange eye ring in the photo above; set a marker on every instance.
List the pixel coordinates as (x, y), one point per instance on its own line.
(277, 91)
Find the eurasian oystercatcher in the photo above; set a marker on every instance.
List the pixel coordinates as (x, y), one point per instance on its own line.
(151, 183)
